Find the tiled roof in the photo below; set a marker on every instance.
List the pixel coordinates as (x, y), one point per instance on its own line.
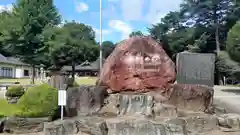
(11, 60)
(85, 66)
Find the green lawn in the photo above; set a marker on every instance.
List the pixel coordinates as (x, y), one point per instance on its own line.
(86, 80)
(79, 80)
(22, 81)
(7, 109)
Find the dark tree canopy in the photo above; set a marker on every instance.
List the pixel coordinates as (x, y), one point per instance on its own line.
(21, 30)
(107, 48)
(71, 44)
(136, 33)
(203, 26)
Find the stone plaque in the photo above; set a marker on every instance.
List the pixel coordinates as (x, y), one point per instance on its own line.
(195, 68)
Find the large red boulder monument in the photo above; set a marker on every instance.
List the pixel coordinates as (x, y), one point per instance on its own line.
(137, 64)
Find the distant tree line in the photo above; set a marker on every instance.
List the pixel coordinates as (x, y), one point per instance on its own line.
(33, 32)
(203, 26)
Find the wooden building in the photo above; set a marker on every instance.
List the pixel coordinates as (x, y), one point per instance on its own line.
(85, 69)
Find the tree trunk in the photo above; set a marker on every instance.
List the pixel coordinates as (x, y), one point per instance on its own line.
(73, 71)
(33, 74)
(216, 23)
(217, 39)
(218, 51)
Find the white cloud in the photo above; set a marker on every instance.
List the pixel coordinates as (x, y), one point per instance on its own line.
(154, 17)
(158, 9)
(104, 31)
(120, 26)
(81, 7)
(7, 7)
(132, 9)
(149, 11)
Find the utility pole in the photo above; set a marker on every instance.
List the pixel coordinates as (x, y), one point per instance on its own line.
(100, 55)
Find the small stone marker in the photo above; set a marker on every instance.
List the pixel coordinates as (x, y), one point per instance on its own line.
(195, 68)
(3, 91)
(58, 81)
(62, 100)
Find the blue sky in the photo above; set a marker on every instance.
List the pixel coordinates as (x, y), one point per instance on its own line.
(120, 17)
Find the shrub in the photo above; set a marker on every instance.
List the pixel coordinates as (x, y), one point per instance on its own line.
(2, 116)
(16, 91)
(226, 65)
(39, 101)
(233, 42)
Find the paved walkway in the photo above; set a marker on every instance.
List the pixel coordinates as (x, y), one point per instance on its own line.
(2, 93)
(227, 97)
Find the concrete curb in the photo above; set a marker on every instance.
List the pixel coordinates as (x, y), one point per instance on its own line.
(230, 108)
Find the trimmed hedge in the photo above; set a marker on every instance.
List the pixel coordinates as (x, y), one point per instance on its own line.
(38, 101)
(16, 91)
(2, 116)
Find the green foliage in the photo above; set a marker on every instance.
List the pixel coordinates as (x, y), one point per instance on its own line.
(211, 18)
(233, 42)
(1, 116)
(212, 15)
(202, 26)
(39, 101)
(16, 91)
(107, 48)
(199, 44)
(226, 65)
(7, 109)
(21, 30)
(136, 33)
(72, 44)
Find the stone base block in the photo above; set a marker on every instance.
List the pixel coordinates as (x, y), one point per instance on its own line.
(24, 125)
(230, 121)
(153, 104)
(138, 126)
(88, 125)
(199, 124)
(85, 100)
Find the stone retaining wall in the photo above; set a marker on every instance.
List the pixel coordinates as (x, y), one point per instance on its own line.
(92, 111)
(192, 123)
(92, 99)
(136, 125)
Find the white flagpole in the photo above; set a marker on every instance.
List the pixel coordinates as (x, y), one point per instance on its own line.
(100, 57)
